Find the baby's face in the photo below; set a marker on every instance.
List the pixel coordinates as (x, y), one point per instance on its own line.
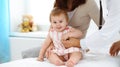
(59, 22)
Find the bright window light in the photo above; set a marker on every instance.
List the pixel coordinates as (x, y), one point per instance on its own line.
(40, 10)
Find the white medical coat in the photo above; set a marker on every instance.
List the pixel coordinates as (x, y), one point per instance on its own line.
(101, 40)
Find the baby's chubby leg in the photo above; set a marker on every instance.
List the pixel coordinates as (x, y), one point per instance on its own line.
(55, 59)
(74, 59)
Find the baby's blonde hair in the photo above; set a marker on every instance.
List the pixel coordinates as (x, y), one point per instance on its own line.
(57, 12)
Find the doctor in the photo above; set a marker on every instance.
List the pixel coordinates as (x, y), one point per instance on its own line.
(106, 40)
(109, 33)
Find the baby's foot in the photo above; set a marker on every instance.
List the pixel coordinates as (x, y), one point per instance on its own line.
(70, 63)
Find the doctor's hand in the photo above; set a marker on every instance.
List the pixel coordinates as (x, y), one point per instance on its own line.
(115, 48)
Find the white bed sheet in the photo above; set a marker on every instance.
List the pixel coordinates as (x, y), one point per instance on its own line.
(90, 60)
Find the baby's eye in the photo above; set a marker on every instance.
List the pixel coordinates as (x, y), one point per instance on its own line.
(55, 22)
(61, 21)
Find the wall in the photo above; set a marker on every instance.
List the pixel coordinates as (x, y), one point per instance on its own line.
(19, 44)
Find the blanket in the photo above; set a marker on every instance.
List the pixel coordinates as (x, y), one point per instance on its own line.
(89, 60)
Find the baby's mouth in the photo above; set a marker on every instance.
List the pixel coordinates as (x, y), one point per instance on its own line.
(59, 27)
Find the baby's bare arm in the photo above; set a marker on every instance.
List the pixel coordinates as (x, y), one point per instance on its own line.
(44, 48)
(72, 38)
(74, 33)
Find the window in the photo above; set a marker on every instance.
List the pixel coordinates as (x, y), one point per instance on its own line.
(38, 9)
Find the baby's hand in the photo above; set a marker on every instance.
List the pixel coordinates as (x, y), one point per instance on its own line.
(40, 59)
